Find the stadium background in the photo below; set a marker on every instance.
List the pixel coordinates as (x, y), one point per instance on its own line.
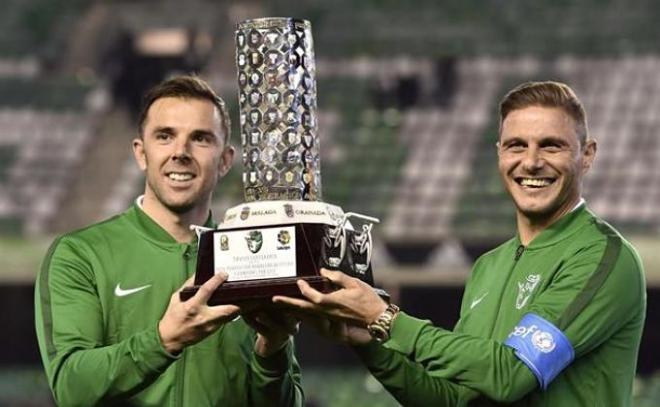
(407, 98)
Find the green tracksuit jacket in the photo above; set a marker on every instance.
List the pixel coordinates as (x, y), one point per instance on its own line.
(579, 275)
(99, 296)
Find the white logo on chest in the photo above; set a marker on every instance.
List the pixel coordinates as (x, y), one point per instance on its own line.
(526, 288)
(119, 292)
(478, 300)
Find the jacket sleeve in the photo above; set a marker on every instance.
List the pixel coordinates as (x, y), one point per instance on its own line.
(588, 300)
(276, 379)
(605, 291)
(409, 382)
(81, 369)
(484, 365)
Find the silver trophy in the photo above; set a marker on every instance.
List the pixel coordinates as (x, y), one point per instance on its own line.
(283, 232)
(278, 114)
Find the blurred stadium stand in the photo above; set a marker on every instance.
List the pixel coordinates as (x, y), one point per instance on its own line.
(407, 97)
(48, 147)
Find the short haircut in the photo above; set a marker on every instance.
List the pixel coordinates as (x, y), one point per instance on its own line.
(185, 86)
(546, 94)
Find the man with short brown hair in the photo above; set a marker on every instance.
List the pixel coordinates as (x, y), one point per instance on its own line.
(552, 317)
(112, 328)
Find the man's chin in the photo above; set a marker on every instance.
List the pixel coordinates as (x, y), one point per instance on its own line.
(540, 213)
(535, 210)
(179, 202)
(179, 207)
(535, 214)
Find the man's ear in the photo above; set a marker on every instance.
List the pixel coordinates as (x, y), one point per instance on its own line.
(226, 160)
(588, 154)
(138, 153)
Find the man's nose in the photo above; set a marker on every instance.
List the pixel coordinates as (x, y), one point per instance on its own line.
(533, 161)
(181, 150)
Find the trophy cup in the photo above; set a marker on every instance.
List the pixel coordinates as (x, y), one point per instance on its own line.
(284, 231)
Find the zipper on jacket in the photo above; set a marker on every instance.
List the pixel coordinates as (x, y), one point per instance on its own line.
(181, 366)
(519, 252)
(180, 375)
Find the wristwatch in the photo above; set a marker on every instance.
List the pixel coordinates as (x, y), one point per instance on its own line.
(380, 328)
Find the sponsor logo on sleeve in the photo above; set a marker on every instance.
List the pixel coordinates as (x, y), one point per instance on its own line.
(541, 340)
(541, 346)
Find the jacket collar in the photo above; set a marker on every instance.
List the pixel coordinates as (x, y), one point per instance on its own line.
(151, 230)
(563, 228)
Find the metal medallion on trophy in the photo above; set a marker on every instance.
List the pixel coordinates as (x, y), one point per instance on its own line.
(283, 232)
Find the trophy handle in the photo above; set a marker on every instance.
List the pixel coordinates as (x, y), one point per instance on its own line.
(334, 245)
(361, 249)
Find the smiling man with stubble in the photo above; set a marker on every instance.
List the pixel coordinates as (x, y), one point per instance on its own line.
(552, 317)
(111, 326)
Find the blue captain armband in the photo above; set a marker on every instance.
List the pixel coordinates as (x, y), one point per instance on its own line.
(542, 347)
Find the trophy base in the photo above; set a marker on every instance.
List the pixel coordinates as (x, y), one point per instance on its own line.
(266, 247)
(296, 246)
(259, 291)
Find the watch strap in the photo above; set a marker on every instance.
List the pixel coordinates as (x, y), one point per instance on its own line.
(381, 327)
